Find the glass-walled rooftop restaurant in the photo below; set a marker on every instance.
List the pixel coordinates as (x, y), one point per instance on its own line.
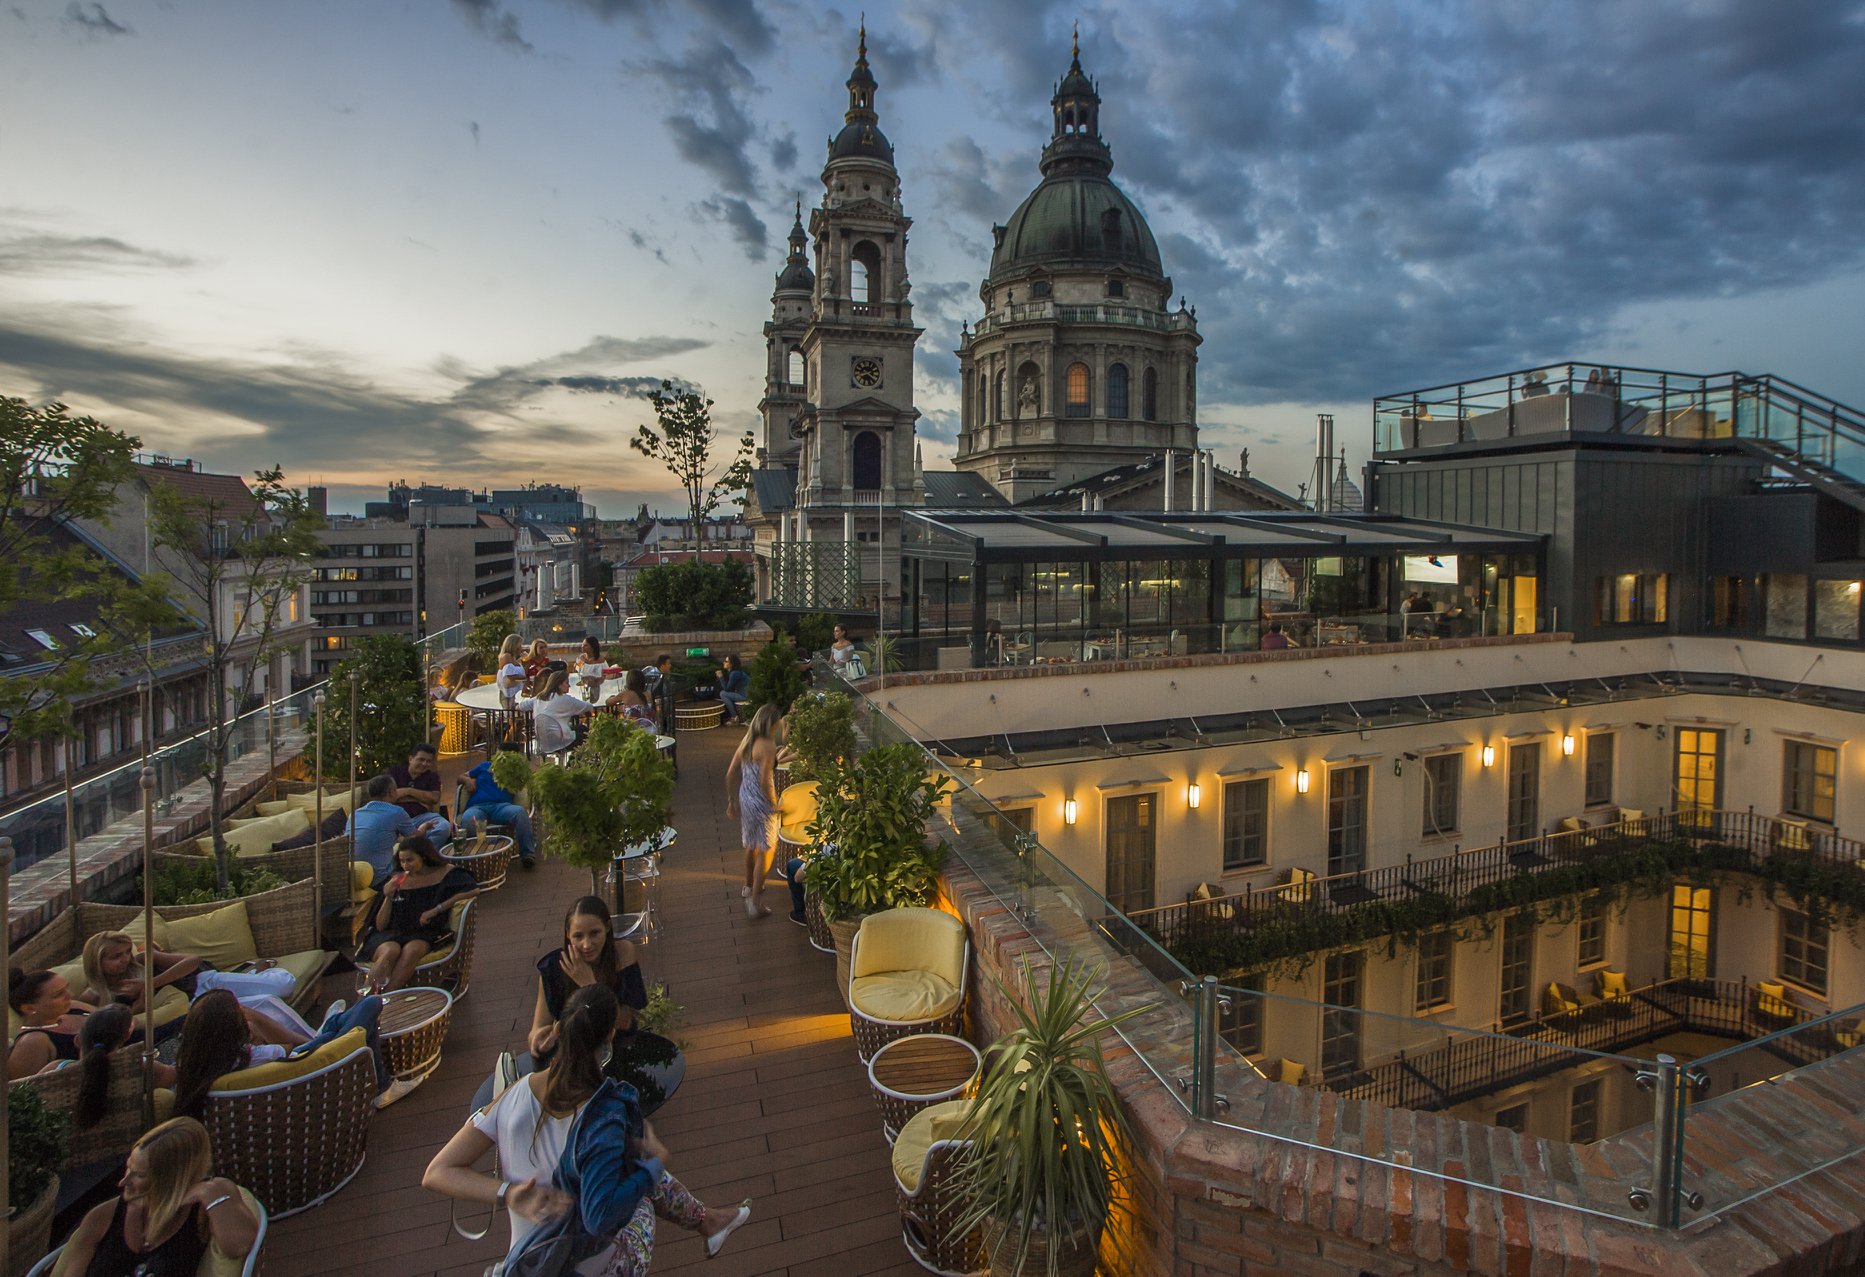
(999, 588)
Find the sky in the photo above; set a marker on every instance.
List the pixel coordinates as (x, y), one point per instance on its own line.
(457, 241)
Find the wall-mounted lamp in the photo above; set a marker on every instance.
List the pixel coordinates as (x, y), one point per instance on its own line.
(1748, 735)
(1398, 768)
(1068, 811)
(1192, 794)
(1489, 755)
(1567, 744)
(1663, 731)
(1301, 781)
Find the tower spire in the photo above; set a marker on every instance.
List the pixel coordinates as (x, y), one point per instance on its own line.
(1075, 48)
(861, 83)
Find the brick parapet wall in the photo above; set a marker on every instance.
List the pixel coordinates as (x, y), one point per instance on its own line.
(1212, 1200)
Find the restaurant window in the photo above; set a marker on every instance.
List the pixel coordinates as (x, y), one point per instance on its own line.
(1347, 788)
(1784, 605)
(1600, 749)
(1583, 1112)
(1079, 399)
(1810, 775)
(1804, 949)
(1117, 390)
(1836, 611)
(1246, 823)
(1443, 781)
(1340, 1017)
(1729, 603)
(1693, 920)
(1432, 986)
(1591, 930)
(1632, 598)
(1516, 976)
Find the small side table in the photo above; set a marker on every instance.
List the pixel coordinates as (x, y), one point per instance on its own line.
(412, 1027)
(698, 717)
(912, 1073)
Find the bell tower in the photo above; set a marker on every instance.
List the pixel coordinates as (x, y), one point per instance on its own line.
(786, 386)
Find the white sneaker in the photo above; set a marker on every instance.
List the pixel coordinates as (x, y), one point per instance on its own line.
(397, 1089)
(335, 1009)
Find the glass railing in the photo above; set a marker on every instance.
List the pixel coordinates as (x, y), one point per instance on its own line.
(1575, 1071)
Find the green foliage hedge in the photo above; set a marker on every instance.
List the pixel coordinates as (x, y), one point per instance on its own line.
(695, 596)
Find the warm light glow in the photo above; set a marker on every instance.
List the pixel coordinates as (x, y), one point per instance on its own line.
(1301, 781)
(1489, 755)
(1068, 811)
(1567, 744)
(1192, 794)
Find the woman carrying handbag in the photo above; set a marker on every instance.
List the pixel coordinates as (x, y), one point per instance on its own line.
(579, 1169)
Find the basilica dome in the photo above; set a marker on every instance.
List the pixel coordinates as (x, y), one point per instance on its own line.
(1075, 220)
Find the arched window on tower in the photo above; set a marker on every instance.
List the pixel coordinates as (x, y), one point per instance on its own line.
(864, 274)
(793, 368)
(1079, 399)
(1117, 390)
(865, 462)
(1149, 395)
(984, 398)
(999, 407)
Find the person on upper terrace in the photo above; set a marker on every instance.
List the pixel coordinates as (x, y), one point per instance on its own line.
(1275, 640)
(417, 789)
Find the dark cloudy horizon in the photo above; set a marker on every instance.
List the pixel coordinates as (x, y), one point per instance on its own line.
(457, 240)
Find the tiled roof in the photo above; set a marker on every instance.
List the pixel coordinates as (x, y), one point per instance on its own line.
(20, 651)
(226, 491)
(960, 489)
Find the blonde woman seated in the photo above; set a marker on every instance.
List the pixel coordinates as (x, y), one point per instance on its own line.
(171, 1210)
(112, 974)
(509, 668)
(415, 915)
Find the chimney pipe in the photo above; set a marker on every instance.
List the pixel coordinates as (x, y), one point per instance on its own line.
(1167, 486)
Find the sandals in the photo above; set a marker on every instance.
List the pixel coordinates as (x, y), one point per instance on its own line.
(716, 1242)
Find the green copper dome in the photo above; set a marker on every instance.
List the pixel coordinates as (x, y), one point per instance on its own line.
(1075, 220)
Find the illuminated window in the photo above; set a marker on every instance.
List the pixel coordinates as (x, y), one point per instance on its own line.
(1632, 598)
(1692, 929)
(1809, 780)
(1079, 401)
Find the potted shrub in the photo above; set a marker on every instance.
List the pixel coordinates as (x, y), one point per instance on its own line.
(871, 817)
(36, 1145)
(615, 790)
(1049, 1136)
(814, 633)
(822, 733)
(776, 675)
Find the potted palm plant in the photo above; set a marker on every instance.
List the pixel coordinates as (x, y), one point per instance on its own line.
(36, 1144)
(1049, 1138)
(871, 819)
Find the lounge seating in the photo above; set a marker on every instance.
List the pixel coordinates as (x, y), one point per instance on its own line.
(1610, 985)
(1559, 1000)
(1301, 886)
(1791, 835)
(450, 967)
(294, 1130)
(907, 971)
(926, 1158)
(274, 924)
(1771, 1001)
(796, 811)
(213, 1263)
(1216, 908)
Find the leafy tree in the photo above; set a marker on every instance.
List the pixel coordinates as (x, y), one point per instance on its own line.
(484, 636)
(775, 675)
(390, 707)
(56, 468)
(615, 790)
(815, 632)
(238, 562)
(695, 595)
(681, 439)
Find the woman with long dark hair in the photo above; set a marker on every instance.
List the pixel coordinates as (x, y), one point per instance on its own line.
(570, 1118)
(415, 915)
(103, 1031)
(215, 1041)
(171, 1210)
(591, 955)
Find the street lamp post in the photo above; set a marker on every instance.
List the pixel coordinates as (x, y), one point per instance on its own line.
(148, 930)
(317, 853)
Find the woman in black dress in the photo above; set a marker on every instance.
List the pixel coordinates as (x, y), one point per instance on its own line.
(42, 999)
(591, 954)
(415, 916)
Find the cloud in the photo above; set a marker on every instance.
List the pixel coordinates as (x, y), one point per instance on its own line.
(623, 387)
(41, 254)
(92, 20)
(744, 224)
(507, 388)
(647, 245)
(493, 22)
(718, 134)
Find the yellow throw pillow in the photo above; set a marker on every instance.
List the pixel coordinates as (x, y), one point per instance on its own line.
(259, 835)
(273, 809)
(912, 940)
(1290, 1072)
(223, 937)
(1628, 815)
(1612, 984)
(289, 1070)
(133, 929)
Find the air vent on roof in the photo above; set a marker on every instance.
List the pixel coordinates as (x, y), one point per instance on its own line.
(44, 640)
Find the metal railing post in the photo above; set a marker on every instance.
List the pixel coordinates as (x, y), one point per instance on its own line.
(1666, 1081)
(1204, 1065)
(6, 953)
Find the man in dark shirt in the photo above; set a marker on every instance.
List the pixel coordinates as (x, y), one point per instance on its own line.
(1275, 640)
(417, 791)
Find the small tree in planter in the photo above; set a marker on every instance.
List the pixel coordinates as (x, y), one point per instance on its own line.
(484, 635)
(36, 1144)
(822, 733)
(871, 818)
(390, 707)
(776, 675)
(815, 632)
(1049, 1136)
(615, 790)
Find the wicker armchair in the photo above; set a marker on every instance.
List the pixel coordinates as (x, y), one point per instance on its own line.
(451, 968)
(281, 922)
(907, 973)
(294, 1132)
(292, 865)
(121, 1125)
(925, 1161)
(212, 1264)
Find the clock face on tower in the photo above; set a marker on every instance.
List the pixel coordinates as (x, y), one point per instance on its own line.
(866, 373)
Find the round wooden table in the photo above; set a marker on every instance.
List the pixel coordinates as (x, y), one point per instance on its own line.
(699, 716)
(912, 1073)
(412, 1028)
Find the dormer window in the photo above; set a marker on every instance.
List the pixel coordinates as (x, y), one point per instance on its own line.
(1116, 288)
(1039, 290)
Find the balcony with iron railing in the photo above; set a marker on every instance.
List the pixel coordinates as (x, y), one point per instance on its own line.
(1043, 312)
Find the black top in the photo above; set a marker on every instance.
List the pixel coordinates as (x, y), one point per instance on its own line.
(65, 1045)
(629, 989)
(403, 780)
(405, 913)
(179, 1256)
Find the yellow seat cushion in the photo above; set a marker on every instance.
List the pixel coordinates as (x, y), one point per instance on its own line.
(1630, 814)
(1571, 825)
(273, 809)
(338, 799)
(911, 940)
(223, 937)
(1612, 985)
(1772, 998)
(902, 997)
(924, 1129)
(289, 1070)
(362, 881)
(1290, 1072)
(1554, 1002)
(304, 966)
(259, 835)
(216, 1263)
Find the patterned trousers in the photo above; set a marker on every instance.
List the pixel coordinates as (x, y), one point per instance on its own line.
(634, 1249)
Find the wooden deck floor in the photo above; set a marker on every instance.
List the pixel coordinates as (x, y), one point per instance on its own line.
(775, 1106)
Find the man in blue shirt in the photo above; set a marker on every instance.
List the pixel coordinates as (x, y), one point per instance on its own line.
(488, 801)
(378, 825)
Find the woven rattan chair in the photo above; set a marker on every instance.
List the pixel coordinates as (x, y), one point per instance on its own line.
(291, 865)
(488, 866)
(915, 958)
(924, 1186)
(211, 1265)
(294, 1143)
(111, 1137)
(451, 968)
